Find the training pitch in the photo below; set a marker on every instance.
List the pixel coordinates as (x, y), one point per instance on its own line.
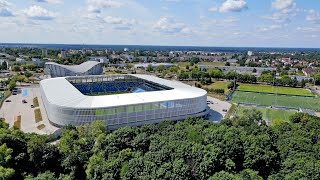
(268, 114)
(277, 100)
(274, 90)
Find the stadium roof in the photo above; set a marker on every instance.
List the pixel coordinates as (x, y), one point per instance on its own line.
(81, 68)
(61, 92)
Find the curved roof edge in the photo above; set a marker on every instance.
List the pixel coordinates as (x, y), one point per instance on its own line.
(81, 68)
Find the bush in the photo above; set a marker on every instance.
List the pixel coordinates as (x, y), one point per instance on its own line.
(231, 85)
(218, 91)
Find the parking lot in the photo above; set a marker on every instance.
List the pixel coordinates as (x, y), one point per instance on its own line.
(17, 107)
(218, 109)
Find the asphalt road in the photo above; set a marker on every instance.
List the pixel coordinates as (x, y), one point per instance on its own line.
(216, 109)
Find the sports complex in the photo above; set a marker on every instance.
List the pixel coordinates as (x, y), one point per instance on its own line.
(120, 100)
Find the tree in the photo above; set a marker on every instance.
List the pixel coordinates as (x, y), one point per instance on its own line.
(254, 70)
(12, 85)
(173, 69)
(215, 73)
(15, 68)
(5, 155)
(227, 64)
(6, 173)
(160, 68)
(149, 68)
(4, 65)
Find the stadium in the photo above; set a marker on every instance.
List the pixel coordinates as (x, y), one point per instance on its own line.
(86, 68)
(120, 100)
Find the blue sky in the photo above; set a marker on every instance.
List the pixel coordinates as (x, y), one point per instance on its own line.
(251, 23)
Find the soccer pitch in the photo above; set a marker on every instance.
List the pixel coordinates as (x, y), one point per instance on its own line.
(274, 89)
(277, 100)
(270, 115)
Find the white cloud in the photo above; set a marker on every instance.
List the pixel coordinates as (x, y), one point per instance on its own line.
(284, 11)
(230, 6)
(50, 1)
(278, 17)
(120, 23)
(208, 23)
(269, 28)
(307, 29)
(96, 6)
(283, 5)
(313, 17)
(5, 10)
(39, 13)
(169, 26)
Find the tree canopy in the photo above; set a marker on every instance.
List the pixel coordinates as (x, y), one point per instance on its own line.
(239, 148)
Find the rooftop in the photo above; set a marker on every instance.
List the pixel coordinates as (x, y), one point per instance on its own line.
(81, 68)
(61, 92)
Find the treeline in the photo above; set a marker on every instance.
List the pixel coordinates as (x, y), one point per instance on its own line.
(239, 148)
(268, 77)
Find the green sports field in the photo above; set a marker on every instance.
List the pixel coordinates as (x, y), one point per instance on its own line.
(274, 89)
(277, 100)
(270, 115)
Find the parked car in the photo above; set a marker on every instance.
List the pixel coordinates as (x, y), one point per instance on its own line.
(32, 106)
(8, 100)
(24, 101)
(224, 110)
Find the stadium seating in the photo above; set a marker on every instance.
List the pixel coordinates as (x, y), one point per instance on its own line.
(115, 86)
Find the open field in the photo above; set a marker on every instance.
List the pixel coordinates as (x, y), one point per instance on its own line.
(218, 85)
(271, 115)
(212, 63)
(184, 64)
(274, 89)
(277, 100)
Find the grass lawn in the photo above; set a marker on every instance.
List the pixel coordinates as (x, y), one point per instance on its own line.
(183, 65)
(212, 63)
(110, 72)
(37, 115)
(275, 116)
(274, 90)
(218, 85)
(277, 100)
(41, 126)
(231, 110)
(35, 102)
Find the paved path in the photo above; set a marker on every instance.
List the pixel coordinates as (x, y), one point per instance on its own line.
(216, 109)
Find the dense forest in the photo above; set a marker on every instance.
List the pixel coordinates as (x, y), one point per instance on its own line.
(238, 148)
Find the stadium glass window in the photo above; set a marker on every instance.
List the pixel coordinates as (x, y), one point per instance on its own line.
(121, 110)
(109, 111)
(130, 109)
(138, 108)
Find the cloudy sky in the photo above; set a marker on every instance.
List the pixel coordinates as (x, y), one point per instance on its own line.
(263, 23)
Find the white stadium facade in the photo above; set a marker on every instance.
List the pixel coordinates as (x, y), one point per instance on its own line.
(120, 100)
(87, 68)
